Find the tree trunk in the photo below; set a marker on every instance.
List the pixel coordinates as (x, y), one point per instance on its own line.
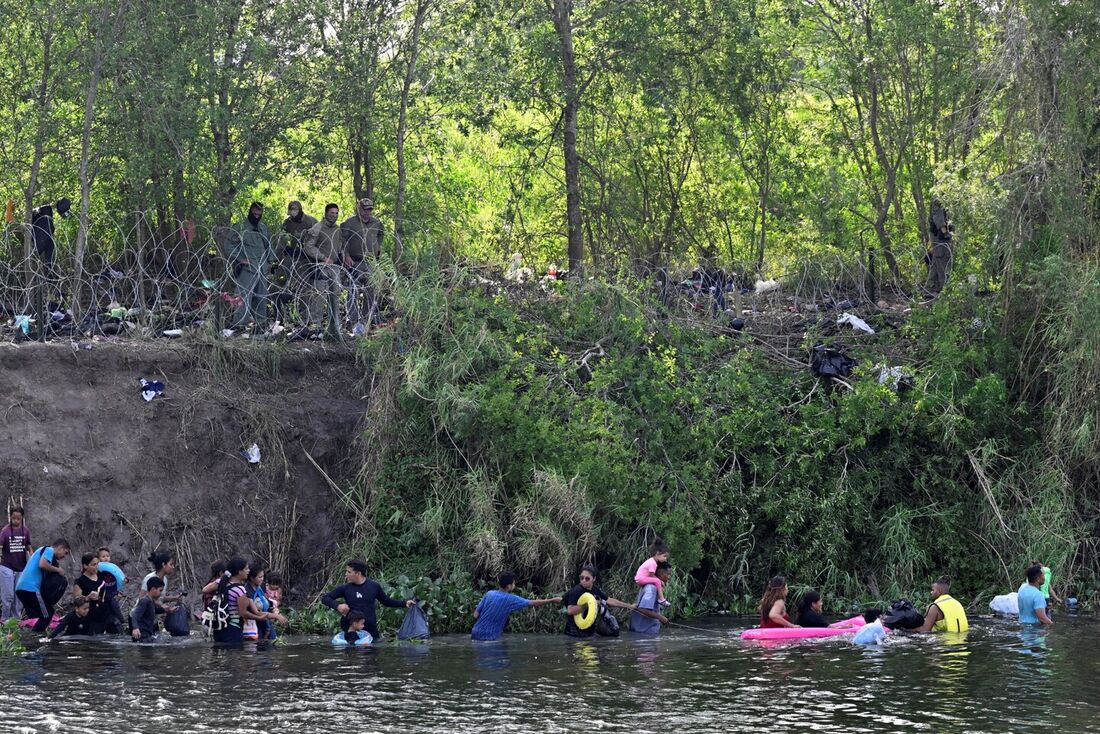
(101, 49)
(561, 10)
(422, 7)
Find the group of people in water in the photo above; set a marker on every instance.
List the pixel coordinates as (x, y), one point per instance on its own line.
(241, 600)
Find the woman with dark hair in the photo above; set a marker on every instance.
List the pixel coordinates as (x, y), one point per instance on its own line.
(809, 610)
(586, 585)
(92, 586)
(164, 564)
(773, 607)
(231, 605)
(217, 570)
(262, 627)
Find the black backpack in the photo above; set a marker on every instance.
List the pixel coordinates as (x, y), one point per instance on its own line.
(902, 615)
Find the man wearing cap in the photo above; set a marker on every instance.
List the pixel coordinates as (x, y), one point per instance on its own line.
(294, 272)
(250, 254)
(362, 236)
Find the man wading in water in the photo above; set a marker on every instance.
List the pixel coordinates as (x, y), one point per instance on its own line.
(360, 594)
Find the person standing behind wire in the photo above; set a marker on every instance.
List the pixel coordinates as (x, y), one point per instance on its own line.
(250, 254)
(362, 237)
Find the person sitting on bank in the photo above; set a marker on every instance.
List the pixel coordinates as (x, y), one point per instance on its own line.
(586, 585)
(773, 606)
(646, 617)
(77, 622)
(945, 613)
(496, 607)
(1034, 608)
(361, 594)
(809, 610)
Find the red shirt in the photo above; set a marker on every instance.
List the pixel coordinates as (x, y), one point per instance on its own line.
(767, 623)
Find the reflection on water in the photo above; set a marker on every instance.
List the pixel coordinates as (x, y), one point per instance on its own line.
(997, 677)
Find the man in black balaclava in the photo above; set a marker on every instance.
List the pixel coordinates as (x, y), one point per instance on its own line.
(250, 254)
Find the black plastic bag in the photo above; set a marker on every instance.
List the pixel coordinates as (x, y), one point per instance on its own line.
(606, 623)
(415, 626)
(177, 623)
(828, 362)
(902, 615)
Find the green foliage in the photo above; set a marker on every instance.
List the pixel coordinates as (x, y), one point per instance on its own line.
(532, 432)
(10, 641)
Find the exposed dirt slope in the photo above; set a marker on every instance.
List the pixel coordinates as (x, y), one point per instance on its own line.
(93, 462)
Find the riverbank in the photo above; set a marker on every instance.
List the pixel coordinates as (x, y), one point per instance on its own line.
(93, 462)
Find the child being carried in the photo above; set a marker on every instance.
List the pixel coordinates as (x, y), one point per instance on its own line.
(647, 572)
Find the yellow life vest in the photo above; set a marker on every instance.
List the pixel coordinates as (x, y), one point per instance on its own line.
(952, 616)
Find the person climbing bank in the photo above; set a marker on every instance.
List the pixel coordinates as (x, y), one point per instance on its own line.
(42, 583)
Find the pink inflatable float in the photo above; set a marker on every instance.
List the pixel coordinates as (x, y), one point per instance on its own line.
(843, 627)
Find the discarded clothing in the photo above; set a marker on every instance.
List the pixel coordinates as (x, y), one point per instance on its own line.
(251, 454)
(828, 362)
(150, 389)
(856, 322)
(897, 378)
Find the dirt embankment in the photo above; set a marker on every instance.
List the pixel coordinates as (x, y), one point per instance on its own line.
(96, 464)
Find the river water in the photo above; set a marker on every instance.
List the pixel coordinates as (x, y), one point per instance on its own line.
(995, 678)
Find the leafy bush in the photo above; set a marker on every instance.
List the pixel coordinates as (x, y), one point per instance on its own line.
(525, 431)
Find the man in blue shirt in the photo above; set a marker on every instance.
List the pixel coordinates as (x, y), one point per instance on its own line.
(1033, 605)
(647, 619)
(42, 584)
(496, 606)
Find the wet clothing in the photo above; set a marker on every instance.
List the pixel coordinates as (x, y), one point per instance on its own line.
(74, 624)
(100, 610)
(1030, 600)
(647, 599)
(31, 578)
(37, 594)
(810, 618)
(493, 611)
(362, 598)
(869, 634)
(144, 618)
(767, 623)
(362, 238)
(572, 599)
(952, 615)
(14, 544)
